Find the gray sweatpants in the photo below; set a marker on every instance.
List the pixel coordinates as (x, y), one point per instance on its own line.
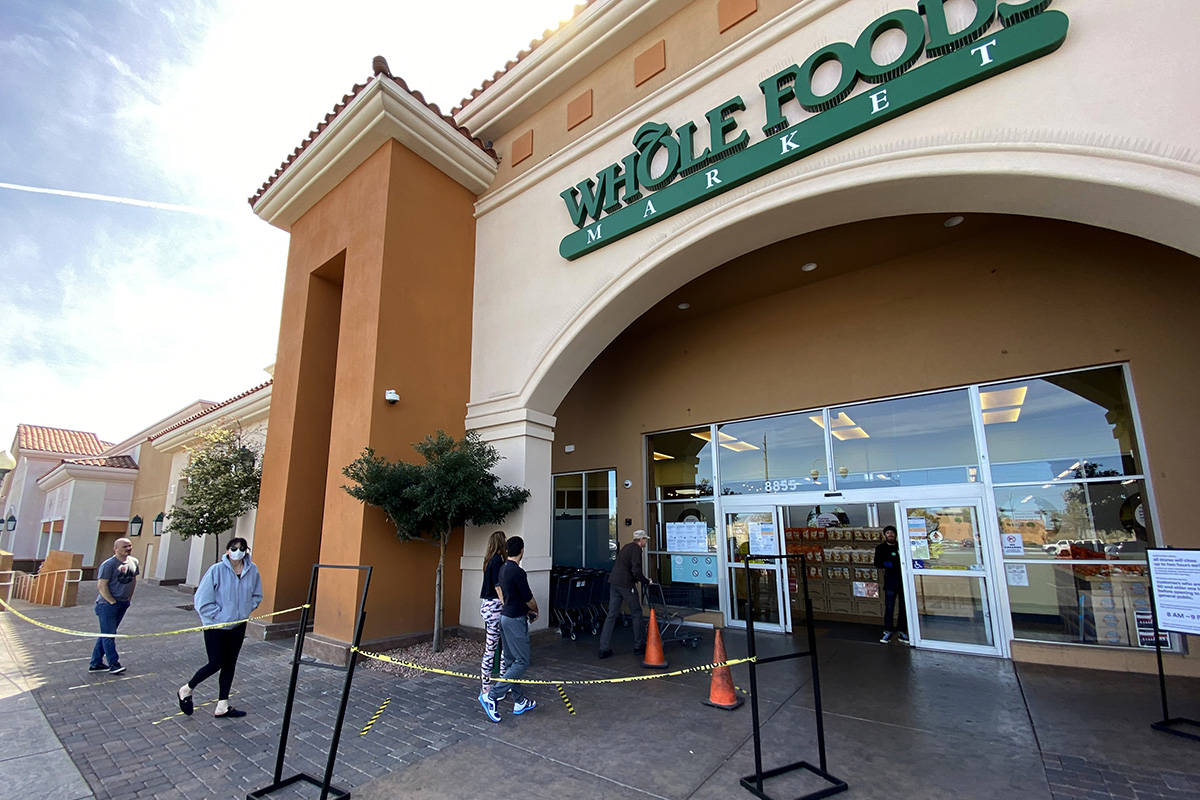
(514, 640)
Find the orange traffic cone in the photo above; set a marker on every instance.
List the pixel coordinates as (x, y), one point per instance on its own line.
(721, 693)
(654, 658)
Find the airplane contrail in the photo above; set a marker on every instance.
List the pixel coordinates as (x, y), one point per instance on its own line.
(128, 201)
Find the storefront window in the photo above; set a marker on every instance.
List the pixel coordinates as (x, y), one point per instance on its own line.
(778, 454)
(1100, 603)
(911, 441)
(680, 464)
(683, 553)
(1060, 428)
(585, 519)
(1080, 521)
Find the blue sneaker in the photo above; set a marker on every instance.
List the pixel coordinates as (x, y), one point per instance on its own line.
(524, 705)
(489, 707)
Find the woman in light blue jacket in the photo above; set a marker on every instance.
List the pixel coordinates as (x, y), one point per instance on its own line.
(228, 592)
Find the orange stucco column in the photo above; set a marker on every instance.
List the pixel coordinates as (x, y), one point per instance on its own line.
(378, 296)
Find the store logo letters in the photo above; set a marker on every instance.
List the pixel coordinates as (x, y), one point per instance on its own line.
(627, 194)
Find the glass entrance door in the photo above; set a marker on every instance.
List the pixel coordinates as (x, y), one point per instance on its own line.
(948, 580)
(746, 533)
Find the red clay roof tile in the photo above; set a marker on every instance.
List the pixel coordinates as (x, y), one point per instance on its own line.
(60, 440)
(533, 45)
(117, 462)
(211, 409)
(379, 68)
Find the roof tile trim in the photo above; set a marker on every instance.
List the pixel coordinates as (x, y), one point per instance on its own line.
(59, 440)
(214, 407)
(521, 56)
(379, 67)
(116, 462)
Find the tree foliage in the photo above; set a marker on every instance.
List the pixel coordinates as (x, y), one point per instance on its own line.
(223, 478)
(454, 487)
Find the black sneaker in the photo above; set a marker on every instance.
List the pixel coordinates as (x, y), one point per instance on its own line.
(639, 649)
(231, 712)
(98, 668)
(604, 653)
(117, 670)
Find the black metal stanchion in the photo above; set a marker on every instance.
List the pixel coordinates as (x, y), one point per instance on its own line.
(1167, 724)
(754, 783)
(328, 790)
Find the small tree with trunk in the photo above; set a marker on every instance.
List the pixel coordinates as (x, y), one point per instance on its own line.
(223, 478)
(454, 486)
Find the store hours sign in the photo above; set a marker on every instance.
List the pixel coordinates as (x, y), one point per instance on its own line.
(1175, 580)
(666, 174)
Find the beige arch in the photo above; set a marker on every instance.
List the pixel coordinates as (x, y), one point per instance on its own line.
(1145, 194)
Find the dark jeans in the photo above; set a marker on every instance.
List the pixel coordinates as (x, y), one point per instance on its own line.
(514, 645)
(222, 646)
(894, 601)
(110, 618)
(615, 596)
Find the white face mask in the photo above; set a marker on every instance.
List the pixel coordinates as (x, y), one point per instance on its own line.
(237, 555)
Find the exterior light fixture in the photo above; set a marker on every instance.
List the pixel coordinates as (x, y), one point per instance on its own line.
(684, 306)
(135, 526)
(953, 222)
(809, 267)
(158, 524)
(10, 524)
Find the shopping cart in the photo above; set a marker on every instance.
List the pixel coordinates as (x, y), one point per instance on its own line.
(670, 619)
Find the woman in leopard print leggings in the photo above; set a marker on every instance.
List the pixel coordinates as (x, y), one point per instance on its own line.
(489, 606)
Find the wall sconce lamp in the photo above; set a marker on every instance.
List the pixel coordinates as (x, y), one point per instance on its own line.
(158, 524)
(135, 526)
(10, 524)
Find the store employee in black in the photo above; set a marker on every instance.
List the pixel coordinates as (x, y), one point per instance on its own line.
(887, 560)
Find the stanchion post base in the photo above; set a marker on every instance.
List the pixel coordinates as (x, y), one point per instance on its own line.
(1168, 726)
(836, 785)
(334, 792)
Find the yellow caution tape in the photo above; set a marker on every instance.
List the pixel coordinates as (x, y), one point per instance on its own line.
(587, 682)
(566, 700)
(94, 635)
(367, 728)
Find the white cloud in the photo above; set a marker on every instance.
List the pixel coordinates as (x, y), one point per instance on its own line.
(139, 312)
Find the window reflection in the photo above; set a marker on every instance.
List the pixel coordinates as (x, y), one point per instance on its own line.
(1076, 521)
(779, 454)
(910, 441)
(680, 464)
(1063, 427)
(585, 519)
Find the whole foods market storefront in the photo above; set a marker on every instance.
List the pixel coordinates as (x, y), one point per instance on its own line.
(907, 285)
(1018, 506)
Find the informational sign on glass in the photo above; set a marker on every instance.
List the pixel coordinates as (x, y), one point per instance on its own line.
(1175, 581)
(694, 569)
(1013, 544)
(762, 539)
(918, 539)
(687, 537)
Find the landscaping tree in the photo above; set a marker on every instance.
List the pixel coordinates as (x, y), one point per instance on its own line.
(223, 477)
(454, 486)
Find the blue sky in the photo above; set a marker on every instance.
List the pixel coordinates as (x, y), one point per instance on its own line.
(115, 315)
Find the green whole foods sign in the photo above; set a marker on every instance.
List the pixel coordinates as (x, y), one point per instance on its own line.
(666, 175)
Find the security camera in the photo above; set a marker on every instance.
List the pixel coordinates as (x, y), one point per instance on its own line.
(628, 484)
(392, 396)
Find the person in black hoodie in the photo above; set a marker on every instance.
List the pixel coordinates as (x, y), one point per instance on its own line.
(887, 560)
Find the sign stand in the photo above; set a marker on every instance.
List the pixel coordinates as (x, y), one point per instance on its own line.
(1169, 724)
(754, 783)
(328, 790)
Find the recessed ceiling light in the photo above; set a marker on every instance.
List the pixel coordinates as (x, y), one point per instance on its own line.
(684, 306)
(809, 267)
(953, 222)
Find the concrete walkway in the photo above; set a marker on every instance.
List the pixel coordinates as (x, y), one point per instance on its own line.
(899, 723)
(33, 762)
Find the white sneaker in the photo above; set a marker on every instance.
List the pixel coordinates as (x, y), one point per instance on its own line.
(524, 705)
(903, 637)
